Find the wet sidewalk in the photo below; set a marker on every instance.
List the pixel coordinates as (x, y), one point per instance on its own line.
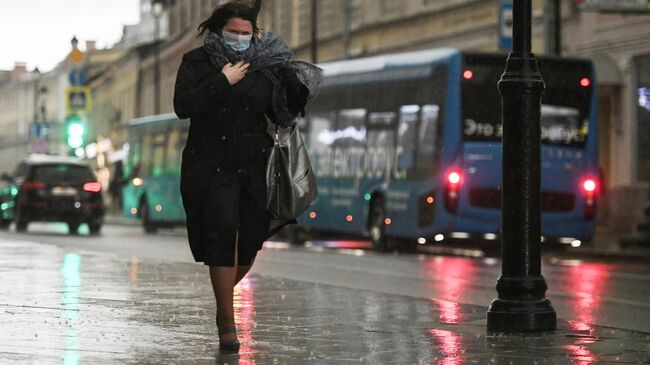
(64, 307)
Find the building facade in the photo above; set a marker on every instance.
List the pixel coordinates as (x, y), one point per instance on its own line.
(620, 50)
(18, 108)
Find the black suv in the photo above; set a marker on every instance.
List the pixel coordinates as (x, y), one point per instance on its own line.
(52, 189)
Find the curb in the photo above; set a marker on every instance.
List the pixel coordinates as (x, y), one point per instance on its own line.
(122, 221)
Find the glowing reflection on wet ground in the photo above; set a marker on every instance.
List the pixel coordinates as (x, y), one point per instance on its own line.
(99, 308)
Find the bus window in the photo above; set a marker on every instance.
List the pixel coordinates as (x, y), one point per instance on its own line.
(428, 143)
(351, 128)
(349, 143)
(562, 125)
(146, 155)
(406, 139)
(134, 154)
(381, 145)
(158, 144)
(320, 139)
(174, 148)
(381, 120)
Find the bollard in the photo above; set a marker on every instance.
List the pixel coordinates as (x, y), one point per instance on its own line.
(521, 305)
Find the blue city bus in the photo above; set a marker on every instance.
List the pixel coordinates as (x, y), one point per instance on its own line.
(408, 146)
(153, 168)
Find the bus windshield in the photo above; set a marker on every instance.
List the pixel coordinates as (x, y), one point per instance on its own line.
(565, 102)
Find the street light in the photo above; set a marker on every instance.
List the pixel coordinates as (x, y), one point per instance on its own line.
(156, 12)
(521, 305)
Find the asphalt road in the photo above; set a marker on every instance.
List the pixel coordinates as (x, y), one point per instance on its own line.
(588, 290)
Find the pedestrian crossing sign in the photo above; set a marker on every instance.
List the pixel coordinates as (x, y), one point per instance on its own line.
(78, 99)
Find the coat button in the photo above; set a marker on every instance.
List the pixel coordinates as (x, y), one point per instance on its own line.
(240, 171)
(246, 108)
(223, 138)
(218, 169)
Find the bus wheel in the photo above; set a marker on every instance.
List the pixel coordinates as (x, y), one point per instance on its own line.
(147, 224)
(294, 235)
(376, 224)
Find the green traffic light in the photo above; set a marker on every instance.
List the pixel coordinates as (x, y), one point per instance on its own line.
(75, 131)
(75, 141)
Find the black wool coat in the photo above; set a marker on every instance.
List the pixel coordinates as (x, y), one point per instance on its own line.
(227, 140)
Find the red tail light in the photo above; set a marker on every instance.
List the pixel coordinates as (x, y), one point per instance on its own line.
(93, 187)
(589, 187)
(453, 181)
(33, 185)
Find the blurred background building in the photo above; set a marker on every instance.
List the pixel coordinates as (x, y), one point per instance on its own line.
(136, 77)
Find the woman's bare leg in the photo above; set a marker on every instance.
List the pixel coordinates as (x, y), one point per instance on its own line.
(242, 271)
(223, 281)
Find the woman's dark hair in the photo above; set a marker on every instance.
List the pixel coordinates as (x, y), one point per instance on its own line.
(234, 9)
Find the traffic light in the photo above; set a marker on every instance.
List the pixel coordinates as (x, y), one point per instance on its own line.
(75, 131)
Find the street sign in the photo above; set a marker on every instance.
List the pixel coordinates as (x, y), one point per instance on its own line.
(38, 146)
(39, 130)
(505, 26)
(77, 77)
(77, 99)
(615, 6)
(76, 56)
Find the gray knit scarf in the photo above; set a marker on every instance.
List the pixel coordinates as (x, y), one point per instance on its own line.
(264, 52)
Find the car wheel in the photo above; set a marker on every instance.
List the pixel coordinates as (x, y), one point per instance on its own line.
(147, 224)
(21, 225)
(4, 223)
(73, 227)
(94, 228)
(377, 225)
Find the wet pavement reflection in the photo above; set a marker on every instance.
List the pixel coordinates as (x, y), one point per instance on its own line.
(83, 307)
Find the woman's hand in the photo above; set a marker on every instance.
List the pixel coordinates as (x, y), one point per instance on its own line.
(235, 73)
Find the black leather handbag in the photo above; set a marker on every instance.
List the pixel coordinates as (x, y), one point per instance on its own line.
(290, 180)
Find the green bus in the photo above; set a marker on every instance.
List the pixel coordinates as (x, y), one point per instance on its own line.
(153, 166)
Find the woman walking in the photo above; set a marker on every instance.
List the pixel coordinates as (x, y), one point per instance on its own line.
(229, 88)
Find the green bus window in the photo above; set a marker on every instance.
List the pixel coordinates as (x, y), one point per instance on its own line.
(158, 144)
(174, 147)
(146, 154)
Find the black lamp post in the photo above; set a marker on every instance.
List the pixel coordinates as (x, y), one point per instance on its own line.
(314, 31)
(521, 305)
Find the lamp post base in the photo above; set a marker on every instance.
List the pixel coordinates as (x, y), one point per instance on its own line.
(521, 306)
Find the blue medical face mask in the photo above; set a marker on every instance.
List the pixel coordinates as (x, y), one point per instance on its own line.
(237, 42)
